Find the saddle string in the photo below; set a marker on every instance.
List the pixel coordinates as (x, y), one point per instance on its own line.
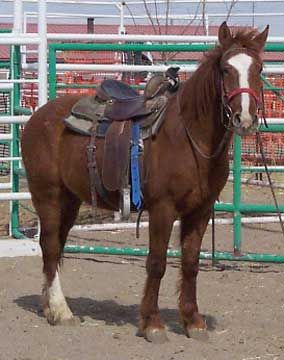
(91, 156)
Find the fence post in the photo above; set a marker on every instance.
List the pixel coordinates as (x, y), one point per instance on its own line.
(15, 145)
(237, 194)
(52, 72)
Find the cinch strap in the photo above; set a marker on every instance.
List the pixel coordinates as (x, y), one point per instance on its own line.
(135, 176)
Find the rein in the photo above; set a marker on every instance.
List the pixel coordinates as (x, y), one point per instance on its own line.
(198, 149)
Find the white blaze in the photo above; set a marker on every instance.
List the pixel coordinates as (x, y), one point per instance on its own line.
(242, 63)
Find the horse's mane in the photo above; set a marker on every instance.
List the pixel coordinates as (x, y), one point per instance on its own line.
(205, 82)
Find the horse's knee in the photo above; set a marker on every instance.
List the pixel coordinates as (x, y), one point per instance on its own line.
(156, 267)
(190, 266)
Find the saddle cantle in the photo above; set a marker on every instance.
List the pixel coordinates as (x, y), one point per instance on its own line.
(109, 115)
(123, 102)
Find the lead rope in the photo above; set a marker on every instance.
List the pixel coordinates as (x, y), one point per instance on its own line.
(213, 237)
(269, 180)
(265, 164)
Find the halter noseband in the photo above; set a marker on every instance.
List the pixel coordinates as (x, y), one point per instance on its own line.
(228, 97)
(237, 91)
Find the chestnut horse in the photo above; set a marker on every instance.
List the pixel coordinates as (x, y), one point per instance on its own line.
(187, 166)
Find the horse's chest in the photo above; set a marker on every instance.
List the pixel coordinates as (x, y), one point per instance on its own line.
(202, 187)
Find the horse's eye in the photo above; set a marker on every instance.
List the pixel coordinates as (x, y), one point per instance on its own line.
(225, 71)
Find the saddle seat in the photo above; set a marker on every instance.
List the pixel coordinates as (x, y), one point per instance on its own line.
(126, 103)
(114, 89)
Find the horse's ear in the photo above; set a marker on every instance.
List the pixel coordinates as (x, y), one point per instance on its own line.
(224, 35)
(261, 38)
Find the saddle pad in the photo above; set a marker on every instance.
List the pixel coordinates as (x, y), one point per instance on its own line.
(116, 155)
(89, 108)
(79, 126)
(85, 114)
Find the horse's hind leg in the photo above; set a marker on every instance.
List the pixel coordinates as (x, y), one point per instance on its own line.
(161, 218)
(57, 213)
(192, 231)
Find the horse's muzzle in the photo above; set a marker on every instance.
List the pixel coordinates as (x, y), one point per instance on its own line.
(244, 125)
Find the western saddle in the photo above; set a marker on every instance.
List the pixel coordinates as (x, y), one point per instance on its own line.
(112, 114)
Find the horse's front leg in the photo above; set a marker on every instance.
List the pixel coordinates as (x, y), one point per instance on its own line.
(161, 218)
(192, 230)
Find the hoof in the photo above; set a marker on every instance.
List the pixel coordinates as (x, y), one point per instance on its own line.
(198, 334)
(56, 320)
(156, 335)
(74, 321)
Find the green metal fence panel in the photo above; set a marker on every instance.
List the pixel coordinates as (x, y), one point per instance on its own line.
(237, 207)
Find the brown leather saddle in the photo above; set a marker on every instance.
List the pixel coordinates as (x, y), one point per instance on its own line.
(117, 101)
(110, 113)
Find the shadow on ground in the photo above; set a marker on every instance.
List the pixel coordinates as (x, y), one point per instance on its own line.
(109, 311)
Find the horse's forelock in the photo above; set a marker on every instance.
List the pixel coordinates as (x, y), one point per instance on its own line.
(245, 38)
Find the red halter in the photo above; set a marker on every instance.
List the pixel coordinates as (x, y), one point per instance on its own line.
(238, 91)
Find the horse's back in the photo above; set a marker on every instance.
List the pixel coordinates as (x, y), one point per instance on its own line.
(47, 120)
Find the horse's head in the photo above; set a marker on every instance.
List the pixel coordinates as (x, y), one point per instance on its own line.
(241, 84)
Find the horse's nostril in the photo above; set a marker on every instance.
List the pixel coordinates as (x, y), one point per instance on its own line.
(237, 119)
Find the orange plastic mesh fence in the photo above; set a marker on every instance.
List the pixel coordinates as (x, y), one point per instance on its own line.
(273, 145)
(274, 106)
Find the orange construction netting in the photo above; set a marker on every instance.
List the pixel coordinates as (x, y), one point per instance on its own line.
(274, 107)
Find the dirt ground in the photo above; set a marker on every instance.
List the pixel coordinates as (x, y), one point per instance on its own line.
(243, 303)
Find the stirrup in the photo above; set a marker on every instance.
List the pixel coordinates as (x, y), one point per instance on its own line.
(125, 203)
